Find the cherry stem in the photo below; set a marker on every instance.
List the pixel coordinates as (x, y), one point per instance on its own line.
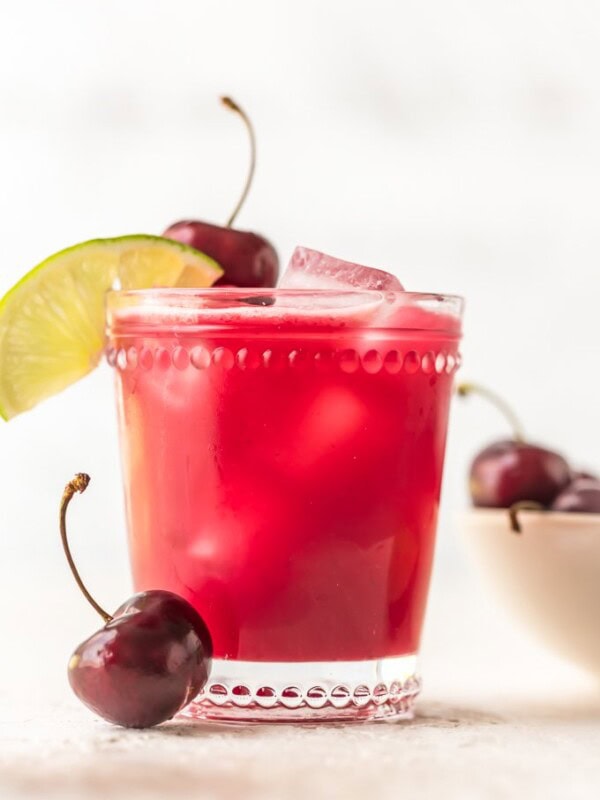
(465, 389)
(79, 484)
(522, 505)
(233, 106)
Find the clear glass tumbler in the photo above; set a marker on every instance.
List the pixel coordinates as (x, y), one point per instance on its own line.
(283, 455)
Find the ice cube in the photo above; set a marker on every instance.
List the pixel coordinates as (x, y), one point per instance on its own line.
(328, 424)
(309, 269)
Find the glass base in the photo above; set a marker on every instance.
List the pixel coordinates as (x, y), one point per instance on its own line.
(308, 691)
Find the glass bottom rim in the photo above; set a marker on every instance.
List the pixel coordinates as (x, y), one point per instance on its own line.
(308, 691)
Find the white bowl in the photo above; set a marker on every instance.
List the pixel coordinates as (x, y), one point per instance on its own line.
(548, 575)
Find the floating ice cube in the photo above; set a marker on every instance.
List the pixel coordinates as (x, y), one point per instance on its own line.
(309, 269)
(327, 424)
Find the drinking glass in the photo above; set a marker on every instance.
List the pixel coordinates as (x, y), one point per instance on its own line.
(282, 456)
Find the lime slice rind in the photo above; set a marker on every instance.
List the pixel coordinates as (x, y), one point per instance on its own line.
(52, 321)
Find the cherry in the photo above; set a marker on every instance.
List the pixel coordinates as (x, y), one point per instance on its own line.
(247, 258)
(582, 494)
(150, 659)
(583, 474)
(510, 471)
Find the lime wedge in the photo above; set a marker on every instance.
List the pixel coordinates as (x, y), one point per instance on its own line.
(52, 321)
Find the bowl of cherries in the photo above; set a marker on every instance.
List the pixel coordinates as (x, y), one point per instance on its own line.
(534, 529)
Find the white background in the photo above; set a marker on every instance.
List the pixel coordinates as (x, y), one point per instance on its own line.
(455, 143)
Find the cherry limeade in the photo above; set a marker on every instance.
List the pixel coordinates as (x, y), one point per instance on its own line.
(283, 462)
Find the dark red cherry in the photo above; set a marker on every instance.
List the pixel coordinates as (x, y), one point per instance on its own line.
(246, 258)
(150, 659)
(146, 664)
(575, 476)
(514, 470)
(581, 495)
(507, 472)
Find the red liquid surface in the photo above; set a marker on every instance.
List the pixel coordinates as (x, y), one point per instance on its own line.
(285, 479)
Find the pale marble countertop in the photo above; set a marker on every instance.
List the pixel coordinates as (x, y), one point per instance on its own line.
(499, 718)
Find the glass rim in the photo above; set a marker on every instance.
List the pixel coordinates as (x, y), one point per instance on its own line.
(258, 290)
(221, 307)
(217, 293)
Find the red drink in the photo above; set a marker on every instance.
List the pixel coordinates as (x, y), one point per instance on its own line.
(283, 467)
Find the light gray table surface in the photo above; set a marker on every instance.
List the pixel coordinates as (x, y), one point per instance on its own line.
(499, 718)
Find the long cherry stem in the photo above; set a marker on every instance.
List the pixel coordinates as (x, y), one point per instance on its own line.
(233, 106)
(79, 484)
(464, 389)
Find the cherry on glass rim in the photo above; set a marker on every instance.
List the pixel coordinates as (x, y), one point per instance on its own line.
(247, 258)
